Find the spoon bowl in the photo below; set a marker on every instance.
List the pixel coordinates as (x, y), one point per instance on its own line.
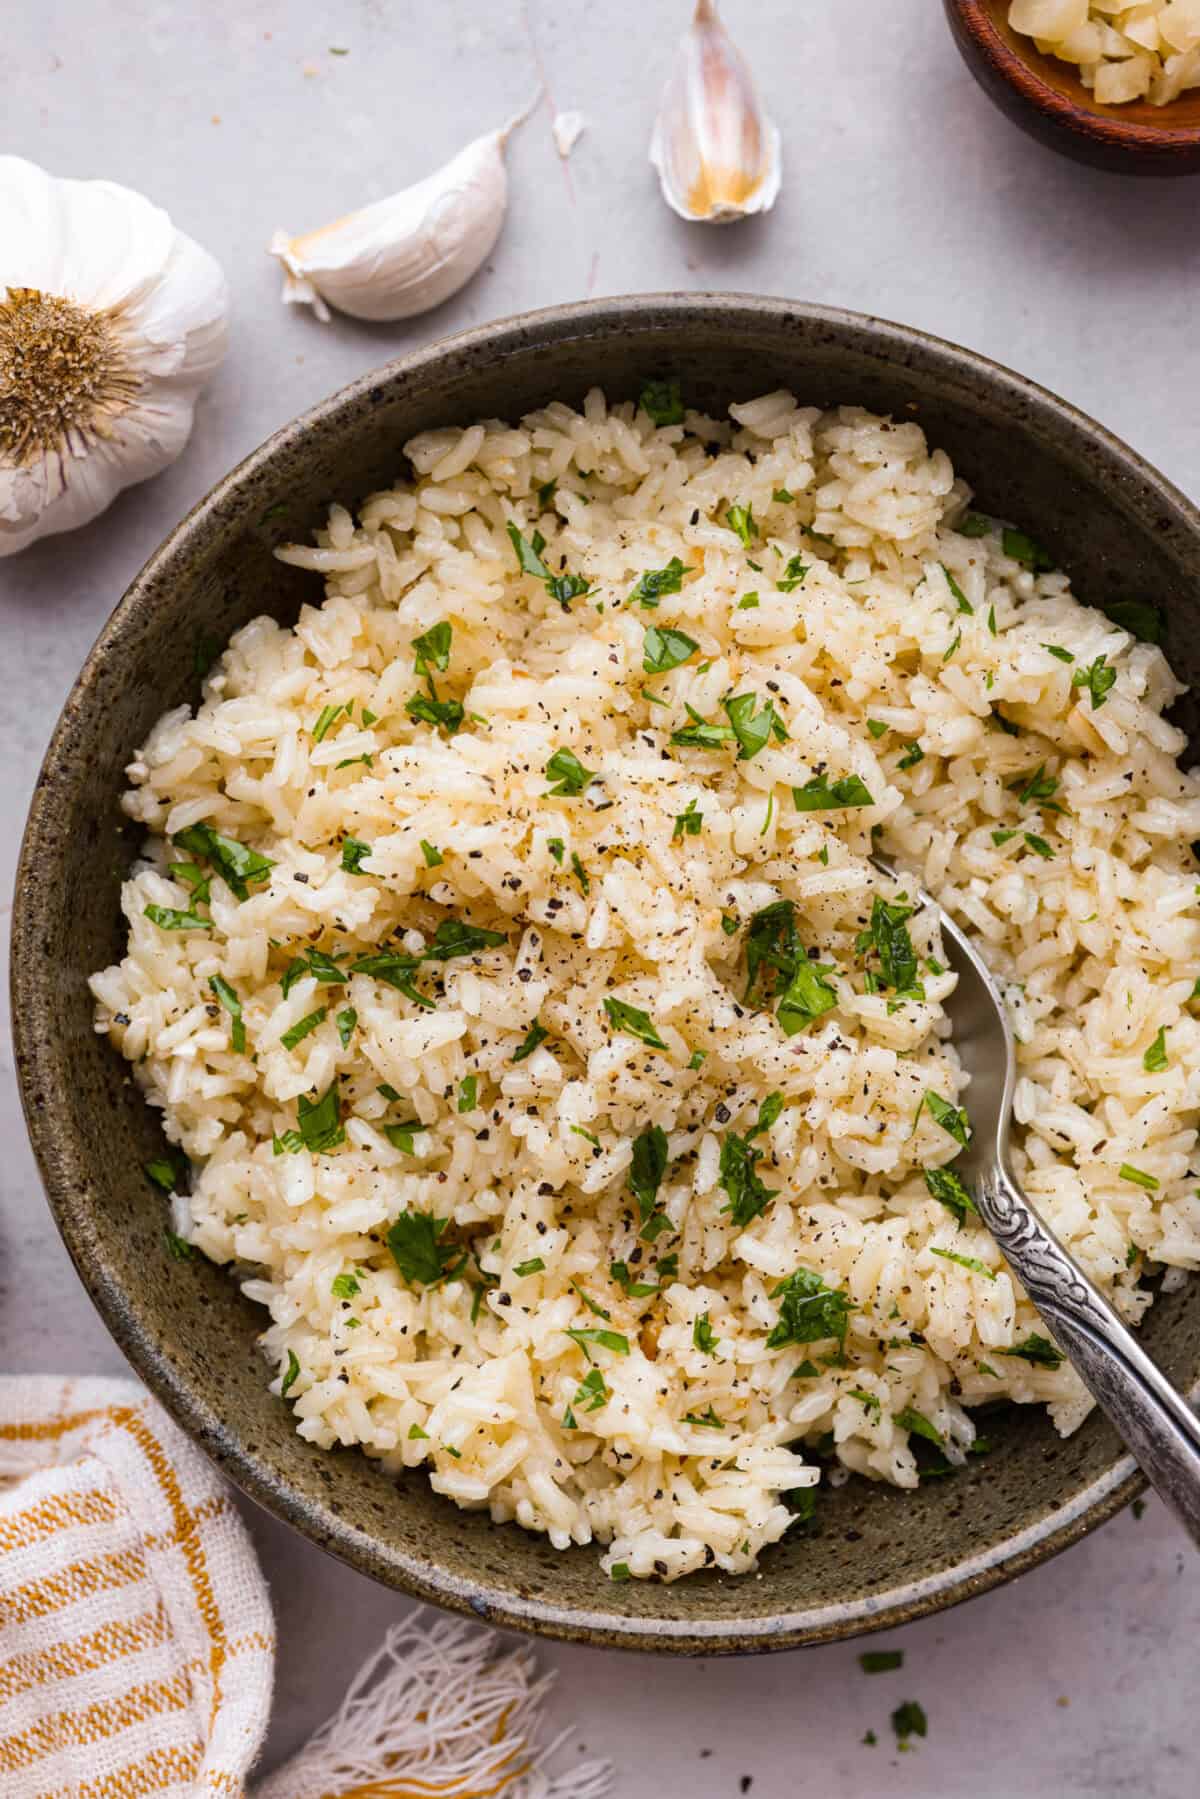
(1153, 1420)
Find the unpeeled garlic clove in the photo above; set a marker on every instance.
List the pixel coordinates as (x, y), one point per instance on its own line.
(409, 252)
(717, 153)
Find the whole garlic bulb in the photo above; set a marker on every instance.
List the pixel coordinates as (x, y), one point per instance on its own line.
(111, 320)
(405, 254)
(717, 153)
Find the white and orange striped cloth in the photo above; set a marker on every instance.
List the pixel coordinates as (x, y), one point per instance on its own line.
(137, 1646)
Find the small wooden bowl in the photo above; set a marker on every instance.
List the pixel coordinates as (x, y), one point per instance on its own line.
(1046, 98)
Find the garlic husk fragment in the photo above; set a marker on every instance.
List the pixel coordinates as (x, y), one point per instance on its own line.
(111, 320)
(717, 153)
(408, 253)
(567, 129)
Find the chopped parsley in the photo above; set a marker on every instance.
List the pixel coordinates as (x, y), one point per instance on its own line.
(653, 583)
(319, 1121)
(971, 1262)
(973, 524)
(753, 729)
(703, 1336)
(468, 1093)
(537, 1033)
(568, 775)
(624, 1017)
(433, 856)
(999, 838)
(233, 1005)
(818, 796)
(881, 1661)
(700, 734)
(951, 1118)
(557, 848)
(167, 1172)
(664, 649)
(913, 753)
(792, 575)
(705, 1420)
(959, 597)
(662, 402)
(947, 1186)
(748, 602)
(688, 823)
(1155, 1058)
(1036, 788)
(354, 854)
(433, 648)
(580, 873)
(418, 1248)
(909, 1720)
(1039, 846)
(1024, 550)
(916, 1422)
(1038, 1350)
(612, 1340)
(877, 728)
(563, 588)
(1099, 679)
(290, 1378)
(344, 1286)
(809, 1311)
(887, 935)
(178, 1248)
(402, 1135)
(799, 985)
(240, 868)
(301, 1029)
(1056, 649)
(427, 709)
(646, 1170)
(327, 718)
(741, 520)
(323, 968)
(171, 918)
(1137, 1178)
(591, 1395)
(633, 1288)
(534, 1265)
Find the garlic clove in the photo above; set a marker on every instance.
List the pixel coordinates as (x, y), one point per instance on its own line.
(111, 320)
(403, 255)
(717, 154)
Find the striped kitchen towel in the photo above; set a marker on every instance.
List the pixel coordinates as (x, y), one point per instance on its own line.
(137, 1646)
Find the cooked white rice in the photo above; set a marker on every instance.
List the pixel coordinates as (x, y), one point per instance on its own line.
(672, 1438)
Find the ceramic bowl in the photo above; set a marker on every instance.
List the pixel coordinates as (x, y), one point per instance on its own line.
(1047, 99)
(879, 1556)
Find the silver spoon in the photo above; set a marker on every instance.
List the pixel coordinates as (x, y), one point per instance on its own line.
(1155, 1423)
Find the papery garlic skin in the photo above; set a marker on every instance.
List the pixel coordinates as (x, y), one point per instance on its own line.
(111, 321)
(408, 253)
(717, 153)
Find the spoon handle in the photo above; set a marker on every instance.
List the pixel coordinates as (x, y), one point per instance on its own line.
(1156, 1424)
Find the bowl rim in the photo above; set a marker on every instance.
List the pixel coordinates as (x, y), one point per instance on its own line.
(251, 1471)
(1085, 117)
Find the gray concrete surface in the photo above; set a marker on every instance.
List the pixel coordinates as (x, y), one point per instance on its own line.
(904, 194)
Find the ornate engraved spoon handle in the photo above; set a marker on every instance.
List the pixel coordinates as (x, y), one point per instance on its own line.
(1157, 1425)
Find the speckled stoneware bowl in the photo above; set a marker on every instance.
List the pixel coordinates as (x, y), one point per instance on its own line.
(879, 1556)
